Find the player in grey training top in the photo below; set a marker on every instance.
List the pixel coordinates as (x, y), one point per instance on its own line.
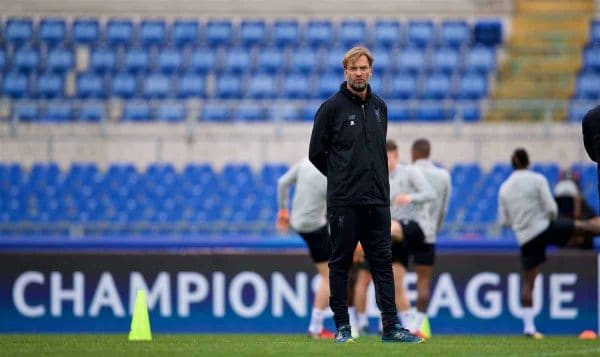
(424, 254)
(527, 206)
(309, 220)
(409, 194)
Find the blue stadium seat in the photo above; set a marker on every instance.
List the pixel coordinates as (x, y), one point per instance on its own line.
(472, 86)
(295, 86)
(191, 85)
(169, 60)
(119, 32)
(123, 85)
(219, 32)
(481, 59)
(26, 111)
(250, 111)
(50, 85)
(103, 59)
(59, 111)
(237, 60)
(488, 32)
(270, 59)
(185, 32)
(157, 85)
(202, 60)
(399, 111)
(436, 86)
(86, 31)
(215, 112)
(53, 31)
(595, 31)
(26, 59)
(15, 85)
(172, 112)
(92, 111)
(333, 59)
(455, 33)
(152, 32)
(304, 60)
(319, 32)
(352, 33)
(90, 85)
(430, 111)
(403, 86)
(261, 86)
(420, 33)
(327, 84)
(136, 111)
(19, 31)
(286, 33)
(2, 59)
(445, 59)
(60, 59)
(228, 86)
(578, 109)
(136, 59)
(253, 32)
(591, 58)
(470, 111)
(411, 59)
(386, 33)
(285, 112)
(588, 86)
(383, 60)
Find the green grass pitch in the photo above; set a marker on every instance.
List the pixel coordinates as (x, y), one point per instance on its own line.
(288, 345)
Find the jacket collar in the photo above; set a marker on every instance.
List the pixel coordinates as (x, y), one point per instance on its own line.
(353, 97)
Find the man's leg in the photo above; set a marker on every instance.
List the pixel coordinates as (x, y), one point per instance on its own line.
(321, 301)
(343, 224)
(424, 273)
(400, 293)
(374, 233)
(527, 285)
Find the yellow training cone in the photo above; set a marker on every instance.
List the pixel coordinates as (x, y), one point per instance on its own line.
(425, 328)
(140, 323)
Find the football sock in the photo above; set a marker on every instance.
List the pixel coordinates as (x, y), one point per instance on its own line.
(316, 320)
(528, 325)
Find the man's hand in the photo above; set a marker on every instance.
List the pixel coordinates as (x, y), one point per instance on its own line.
(402, 199)
(283, 221)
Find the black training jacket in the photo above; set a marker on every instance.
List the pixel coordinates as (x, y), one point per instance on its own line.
(348, 146)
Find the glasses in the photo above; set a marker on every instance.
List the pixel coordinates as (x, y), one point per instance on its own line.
(358, 69)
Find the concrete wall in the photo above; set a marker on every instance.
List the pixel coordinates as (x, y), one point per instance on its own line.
(257, 7)
(260, 143)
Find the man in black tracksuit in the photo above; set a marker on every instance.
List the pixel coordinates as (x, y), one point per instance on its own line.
(591, 137)
(348, 146)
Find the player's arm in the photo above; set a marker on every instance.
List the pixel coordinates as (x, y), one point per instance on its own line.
(588, 137)
(320, 139)
(283, 189)
(503, 215)
(424, 191)
(548, 201)
(445, 200)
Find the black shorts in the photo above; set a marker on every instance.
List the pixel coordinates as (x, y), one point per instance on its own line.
(558, 233)
(413, 245)
(319, 244)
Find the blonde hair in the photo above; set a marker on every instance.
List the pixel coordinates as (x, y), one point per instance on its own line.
(355, 53)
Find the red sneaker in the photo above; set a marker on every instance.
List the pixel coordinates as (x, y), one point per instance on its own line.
(324, 334)
(420, 334)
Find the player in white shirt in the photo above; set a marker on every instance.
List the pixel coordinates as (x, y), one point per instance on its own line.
(424, 258)
(527, 206)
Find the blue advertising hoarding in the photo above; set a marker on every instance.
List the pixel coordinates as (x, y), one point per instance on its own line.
(472, 292)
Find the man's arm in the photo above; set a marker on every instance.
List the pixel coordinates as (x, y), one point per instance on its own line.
(587, 127)
(425, 192)
(283, 186)
(320, 139)
(503, 215)
(548, 202)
